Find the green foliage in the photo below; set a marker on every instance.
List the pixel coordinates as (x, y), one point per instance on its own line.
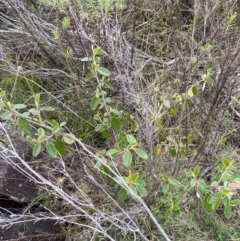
(114, 120)
(213, 195)
(25, 122)
(136, 183)
(167, 142)
(66, 22)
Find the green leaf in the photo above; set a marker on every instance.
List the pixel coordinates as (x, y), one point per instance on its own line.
(63, 123)
(199, 192)
(127, 158)
(2, 94)
(97, 117)
(165, 178)
(59, 144)
(94, 103)
(228, 212)
(122, 139)
(98, 127)
(165, 188)
(237, 180)
(108, 85)
(174, 182)
(169, 214)
(225, 162)
(196, 171)
(131, 140)
(216, 201)
(106, 170)
(173, 152)
(97, 52)
(36, 149)
(163, 199)
(19, 106)
(33, 111)
(51, 149)
(12, 128)
(37, 99)
(193, 182)
(203, 185)
(53, 123)
(122, 194)
(141, 153)
(25, 114)
(182, 151)
(56, 129)
(25, 126)
(235, 202)
(187, 187)
(106, 134)
(103, 71)
(175, 208)
(85, 59)
(190, 93)
(227, 208)
(134, 177)
(141, 181)
(112, 152)
(214, 183)
(194, 90)
(88, 77)
(6, 115)
(133, 187)
(208, 80)
(206, 204)
(41, 132)
(47, 108)
(6, 104)
(115, 124)
(174, 111)
(98, 164)
(141, 190)
(68, 140)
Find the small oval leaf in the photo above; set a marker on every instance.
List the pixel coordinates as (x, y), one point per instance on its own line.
(37, 99)
(47, 108)
(36, 149)
(106, 134)
(112, 152)
(141, 153)
(59, 144)
(122, 194)
(134, 177)
(6, 115)
(115, 124)
(51, 149)
(131, 140)
(173, 152)
(194, 90)
(25, 126)
(127, 158)
(19, 106)
(94, 103)
(33, 111)
(68, 140)
(103, 71)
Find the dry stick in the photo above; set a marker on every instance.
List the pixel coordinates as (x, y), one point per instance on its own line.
(130, 190)
(74, 138)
